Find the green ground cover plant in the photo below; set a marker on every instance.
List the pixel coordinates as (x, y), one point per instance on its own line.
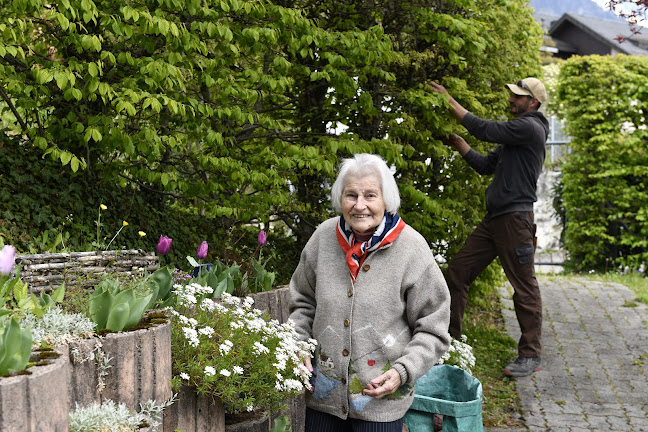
(259, 364)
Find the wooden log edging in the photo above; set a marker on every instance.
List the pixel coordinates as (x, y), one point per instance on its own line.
(37, 401)
(274, 302)
(194, 413)
(130, 367)
(44, 272)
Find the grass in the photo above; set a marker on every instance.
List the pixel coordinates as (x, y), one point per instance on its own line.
(493, 349)
(636, 281)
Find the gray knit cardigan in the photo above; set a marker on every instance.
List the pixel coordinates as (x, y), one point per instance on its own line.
(396, 316)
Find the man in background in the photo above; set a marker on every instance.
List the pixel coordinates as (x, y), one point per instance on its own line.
(508, 230)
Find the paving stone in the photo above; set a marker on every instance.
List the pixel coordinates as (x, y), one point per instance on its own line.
(635, 410)
(598, 423)
(591, 342)
(618, 423)
(565, 421)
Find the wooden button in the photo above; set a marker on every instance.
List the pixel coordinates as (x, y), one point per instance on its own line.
(345, 352)
(350, 293)
(346, 323)
(343, 381)
(344, 410)
(366, 267)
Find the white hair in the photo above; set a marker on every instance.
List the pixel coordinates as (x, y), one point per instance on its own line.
(362, 165)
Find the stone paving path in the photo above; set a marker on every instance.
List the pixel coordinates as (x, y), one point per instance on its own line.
(595, 359)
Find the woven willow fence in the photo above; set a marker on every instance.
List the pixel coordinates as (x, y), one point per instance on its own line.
(44, 272)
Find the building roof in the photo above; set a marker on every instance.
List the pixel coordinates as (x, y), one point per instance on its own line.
(545, 20)
(604, 31)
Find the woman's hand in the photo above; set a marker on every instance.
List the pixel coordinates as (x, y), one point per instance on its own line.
(383, 385)
(309, 366)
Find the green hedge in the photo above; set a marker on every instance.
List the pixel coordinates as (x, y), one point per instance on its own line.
(605, 179)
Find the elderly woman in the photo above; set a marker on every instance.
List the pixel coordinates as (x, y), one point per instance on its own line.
(368, 289)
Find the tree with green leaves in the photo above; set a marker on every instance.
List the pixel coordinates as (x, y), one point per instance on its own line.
(240, 110)
(183, 98)
(395, 115)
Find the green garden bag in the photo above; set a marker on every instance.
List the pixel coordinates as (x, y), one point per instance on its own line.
(446, 399)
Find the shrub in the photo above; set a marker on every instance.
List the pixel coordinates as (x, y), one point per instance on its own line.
(605, 178)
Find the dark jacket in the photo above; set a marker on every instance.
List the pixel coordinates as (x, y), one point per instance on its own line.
(516, 163)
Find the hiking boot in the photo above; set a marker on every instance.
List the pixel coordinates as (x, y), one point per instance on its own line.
(523, 366)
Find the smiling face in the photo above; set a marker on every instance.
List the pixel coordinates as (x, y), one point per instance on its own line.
(363, 206)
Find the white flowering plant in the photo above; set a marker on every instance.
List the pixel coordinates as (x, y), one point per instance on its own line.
(226, 349)
(459, 354)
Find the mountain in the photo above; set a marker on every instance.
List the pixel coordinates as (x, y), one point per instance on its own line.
(579, 7)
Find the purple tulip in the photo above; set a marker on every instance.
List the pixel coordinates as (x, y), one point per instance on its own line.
(201, 253)
(164, 244)
(263, 238)
(7, 255)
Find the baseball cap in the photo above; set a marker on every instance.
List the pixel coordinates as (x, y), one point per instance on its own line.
(529, 87)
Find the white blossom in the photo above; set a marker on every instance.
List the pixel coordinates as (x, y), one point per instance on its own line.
(260, 349)
(210, 371)
(207, 331)
(225, 372)
(184, 376)
(225, 347)
(191, 335)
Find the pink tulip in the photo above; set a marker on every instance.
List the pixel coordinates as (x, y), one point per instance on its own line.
(164, 245)
(7, 256)
(263, 238)
(201, 253)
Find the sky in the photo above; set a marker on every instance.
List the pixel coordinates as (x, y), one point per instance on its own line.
(603, 4)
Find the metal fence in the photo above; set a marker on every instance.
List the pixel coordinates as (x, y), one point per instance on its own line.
(558, 141)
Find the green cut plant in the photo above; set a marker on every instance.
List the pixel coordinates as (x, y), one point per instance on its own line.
(459, 354)
(15, 346)
(115, 309)
(281, 424)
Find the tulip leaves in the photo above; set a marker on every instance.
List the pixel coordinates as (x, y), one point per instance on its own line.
(15, 345)
(116, 310)
(161, 289)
